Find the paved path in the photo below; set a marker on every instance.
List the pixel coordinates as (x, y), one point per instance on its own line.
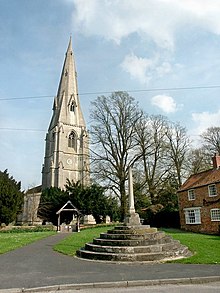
(166, 288)
(37, 265)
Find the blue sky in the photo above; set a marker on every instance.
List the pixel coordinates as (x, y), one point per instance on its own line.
(118, 45)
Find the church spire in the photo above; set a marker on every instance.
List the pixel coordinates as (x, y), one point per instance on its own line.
(70, 47)
(67, 92)
(67, 141)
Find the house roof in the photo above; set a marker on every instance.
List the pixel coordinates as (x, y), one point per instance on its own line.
(203, 178)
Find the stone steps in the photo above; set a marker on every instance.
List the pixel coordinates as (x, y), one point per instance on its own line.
(133, 249)
(140, 243)
(120, 256)
(157, 256)
(132, 242)
(132, 230)
(132, 236)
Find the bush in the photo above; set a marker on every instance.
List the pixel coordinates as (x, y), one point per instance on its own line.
(163, 218)
(11, 198)
(28, 229)
(166, 219)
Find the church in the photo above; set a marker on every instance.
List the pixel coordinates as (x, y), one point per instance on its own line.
(67, 142)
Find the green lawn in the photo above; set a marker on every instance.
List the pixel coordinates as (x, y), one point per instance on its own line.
(11, 241)
(75, 241)
(206, 248)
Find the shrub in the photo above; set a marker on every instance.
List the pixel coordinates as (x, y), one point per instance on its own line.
(25, 229)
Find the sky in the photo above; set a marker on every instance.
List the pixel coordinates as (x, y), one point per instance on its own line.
(165, 53)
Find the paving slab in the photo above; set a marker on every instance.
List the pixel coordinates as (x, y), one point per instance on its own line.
(37, 265)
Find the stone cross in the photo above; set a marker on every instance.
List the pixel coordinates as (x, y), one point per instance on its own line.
(132, 218)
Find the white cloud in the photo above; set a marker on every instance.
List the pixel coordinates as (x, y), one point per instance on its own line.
(165, 103)
(115, 20)
(158, 19)
(137, 67)
(143, 69)
(204, 120)
(155, 24)
(164, 68)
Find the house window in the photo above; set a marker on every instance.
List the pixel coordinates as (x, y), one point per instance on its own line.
(192, 216)
(72, 106)
(191, 194)
(215, 214)
(212, 190)
(72, 140)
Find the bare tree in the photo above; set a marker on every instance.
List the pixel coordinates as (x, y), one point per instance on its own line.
(151, 140)
(114, 120)
(211, 140)
(178, 148)
(198, 160)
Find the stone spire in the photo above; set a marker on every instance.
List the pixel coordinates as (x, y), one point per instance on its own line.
(67, 92)
(67, 141)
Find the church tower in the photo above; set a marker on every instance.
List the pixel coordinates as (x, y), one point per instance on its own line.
(67, 141)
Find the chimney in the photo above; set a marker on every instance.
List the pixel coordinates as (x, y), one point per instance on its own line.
(216, 161)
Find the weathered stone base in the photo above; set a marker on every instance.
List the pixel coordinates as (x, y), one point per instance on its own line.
(132, 220)
(134, 243)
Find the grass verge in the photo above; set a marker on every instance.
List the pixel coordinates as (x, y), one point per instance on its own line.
(75, 241)
(10, 241)
(206, 248)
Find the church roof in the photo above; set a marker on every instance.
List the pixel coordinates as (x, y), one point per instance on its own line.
(35, 189)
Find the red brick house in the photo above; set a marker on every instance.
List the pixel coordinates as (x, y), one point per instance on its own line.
(199, 201)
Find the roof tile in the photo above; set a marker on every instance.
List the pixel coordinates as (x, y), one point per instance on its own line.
(201, 179)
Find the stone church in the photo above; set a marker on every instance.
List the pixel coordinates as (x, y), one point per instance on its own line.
(67, 142)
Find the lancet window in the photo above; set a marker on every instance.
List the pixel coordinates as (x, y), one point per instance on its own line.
(72, 106)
